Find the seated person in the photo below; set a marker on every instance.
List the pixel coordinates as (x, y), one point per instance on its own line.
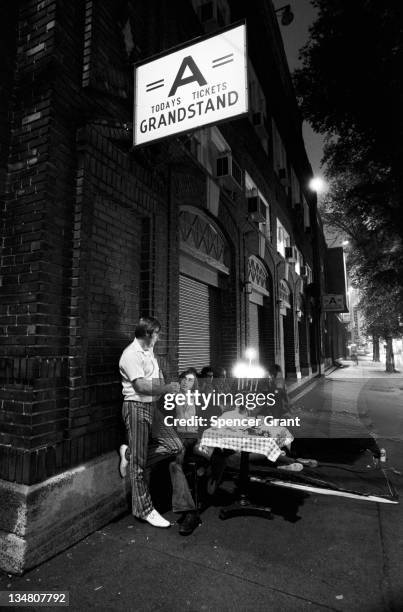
(277, 386)
(206, 380)
(208, 384)
(222, 386)
(187, 433)
(281, 434)
(191, 434)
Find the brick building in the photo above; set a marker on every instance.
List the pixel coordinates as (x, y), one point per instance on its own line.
(215, 233)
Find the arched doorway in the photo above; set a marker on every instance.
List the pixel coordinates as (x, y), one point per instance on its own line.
(260, 311)
(303, 336)
(284, 293)
(204, 270)
(288, 351)
(313, 338)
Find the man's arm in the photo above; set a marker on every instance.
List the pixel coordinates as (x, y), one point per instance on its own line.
(154, 387)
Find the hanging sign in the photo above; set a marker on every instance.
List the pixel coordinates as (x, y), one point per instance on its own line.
(203, 83)
(333, 302)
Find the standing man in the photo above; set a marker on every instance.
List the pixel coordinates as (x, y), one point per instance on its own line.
(150, 440)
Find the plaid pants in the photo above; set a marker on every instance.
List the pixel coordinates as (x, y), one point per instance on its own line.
(151, 441)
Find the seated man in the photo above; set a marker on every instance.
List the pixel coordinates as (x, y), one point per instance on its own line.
(187, 410)
(281, 435)
(190, 434)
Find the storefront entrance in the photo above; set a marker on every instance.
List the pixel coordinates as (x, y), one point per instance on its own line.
(199, 316)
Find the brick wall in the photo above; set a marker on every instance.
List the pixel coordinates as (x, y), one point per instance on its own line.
(84, 249)
(8, 46)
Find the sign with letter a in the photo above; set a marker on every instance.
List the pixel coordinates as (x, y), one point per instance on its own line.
(200, 84)
(333, 302)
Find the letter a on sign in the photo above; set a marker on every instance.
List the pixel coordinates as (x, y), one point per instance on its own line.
(333, 302)
(188, 62)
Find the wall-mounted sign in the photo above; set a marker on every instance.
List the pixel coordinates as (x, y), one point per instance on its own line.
(333, 302)
(202, 83)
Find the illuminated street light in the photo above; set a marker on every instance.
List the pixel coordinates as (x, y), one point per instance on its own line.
(247, 374)
(317, 184)
(345, 242)
(250, 354)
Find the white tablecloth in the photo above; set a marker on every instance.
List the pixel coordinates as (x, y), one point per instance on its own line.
(243, 441)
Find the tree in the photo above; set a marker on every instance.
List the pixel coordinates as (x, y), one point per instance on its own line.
(374, 257)
(351, 90)
(381, 318)
(374, 262)
(376, 254)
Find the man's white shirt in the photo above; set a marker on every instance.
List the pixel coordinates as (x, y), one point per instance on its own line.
(135, 363)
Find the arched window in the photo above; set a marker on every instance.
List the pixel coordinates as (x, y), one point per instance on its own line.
(300, 306)
(203, 271)
(258, 276)
(284, 294)
(200, 237)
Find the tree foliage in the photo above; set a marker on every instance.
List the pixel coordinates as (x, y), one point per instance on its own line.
(351, 90)
(350, 81)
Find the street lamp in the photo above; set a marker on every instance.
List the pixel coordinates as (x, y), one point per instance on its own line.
(317, 184)
(287, 16)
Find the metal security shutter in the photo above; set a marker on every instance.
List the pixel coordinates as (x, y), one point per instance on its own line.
(216, 327)
(254, 339)
(194, 324)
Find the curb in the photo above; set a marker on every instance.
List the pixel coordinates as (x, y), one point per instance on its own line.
(306, 386)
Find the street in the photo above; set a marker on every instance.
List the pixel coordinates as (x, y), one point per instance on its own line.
(335, 553)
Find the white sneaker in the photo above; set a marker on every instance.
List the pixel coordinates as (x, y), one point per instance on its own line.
(156, 520)
(123, 461)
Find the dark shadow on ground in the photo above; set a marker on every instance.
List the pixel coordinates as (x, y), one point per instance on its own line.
(343, 464)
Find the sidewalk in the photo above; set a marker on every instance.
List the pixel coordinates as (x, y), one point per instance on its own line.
(300, 387)
(243, 564)
(365, 369)
(308, 558)
(343, 404)
(319, 553)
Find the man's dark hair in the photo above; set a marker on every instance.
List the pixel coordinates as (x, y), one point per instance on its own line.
(188, 371)
(205, 371)
(146, 327)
